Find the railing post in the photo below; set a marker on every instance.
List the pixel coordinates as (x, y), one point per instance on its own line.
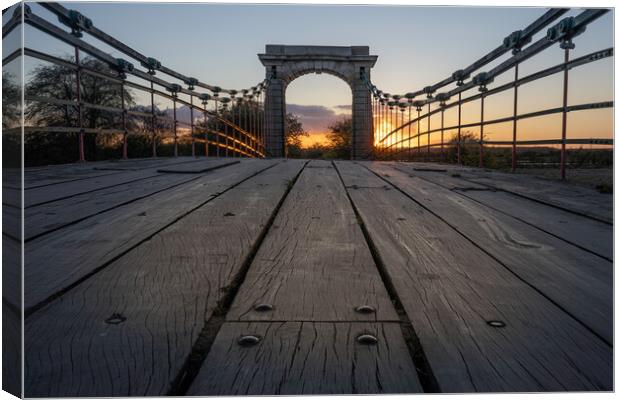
(564, 111)
(206, 131)
(419, 150)
(154, 141)
(409, 132)
(403, 108)
(381, 127)
(191, 118)
(226, 133)
(124, 117)
(443, 155)
(428, 134)
(217, 125)
(394, 119)
(458, 138)
(481, 145)
(174, 115)
(78, 74)
(514, 121)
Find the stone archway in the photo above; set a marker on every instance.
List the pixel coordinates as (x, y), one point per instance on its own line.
(286, 63)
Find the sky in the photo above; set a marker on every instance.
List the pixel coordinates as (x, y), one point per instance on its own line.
(416, 46)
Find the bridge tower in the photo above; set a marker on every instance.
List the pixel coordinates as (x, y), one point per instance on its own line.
(284, 64)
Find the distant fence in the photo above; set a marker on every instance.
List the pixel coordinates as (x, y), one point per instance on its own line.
(231, 126)
(397, 141)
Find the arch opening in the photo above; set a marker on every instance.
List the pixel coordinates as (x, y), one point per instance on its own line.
(319, 101)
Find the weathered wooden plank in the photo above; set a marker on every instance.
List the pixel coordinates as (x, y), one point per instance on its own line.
(51, 216)
(587, 233)
(56, 261)
(578, 281)
(314, 264)
(452, 291)
(49, 193)
(163, 291)
(584, 232)
(147, 163)
(581, 200)
(570, 197)
(49, 175)
(295, 358)
(195, 168)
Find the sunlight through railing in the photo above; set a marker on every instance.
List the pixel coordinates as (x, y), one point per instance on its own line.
(98, 101)
(399, 136)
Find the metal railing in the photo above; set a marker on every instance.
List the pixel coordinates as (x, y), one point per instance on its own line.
(400, 144)
(232, 126)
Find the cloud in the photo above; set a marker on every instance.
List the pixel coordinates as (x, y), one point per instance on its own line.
(314, 118)
(344, 107)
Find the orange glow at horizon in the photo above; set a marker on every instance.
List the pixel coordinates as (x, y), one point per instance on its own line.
(314, 138)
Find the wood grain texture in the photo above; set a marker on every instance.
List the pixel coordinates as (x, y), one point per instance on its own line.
(571, 197)
(314, 264)
(51, 216)
(197, 167)
(585, 232)
(579, 282)
(450, 290)
(296, 358)
(575, 198)
(95, 184)
(164, 290)
(91, 243)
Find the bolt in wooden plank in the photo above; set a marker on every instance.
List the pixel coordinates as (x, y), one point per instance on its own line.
(56, 261)
(128, 330)
(578, 281)
(481, 328)
(295, 358)
(314, 264)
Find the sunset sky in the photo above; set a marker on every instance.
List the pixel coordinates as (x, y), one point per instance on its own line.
(417, 46)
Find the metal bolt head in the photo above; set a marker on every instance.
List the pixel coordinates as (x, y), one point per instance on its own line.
(248, 340)
(115, 319)
(263, 307)
(367, 339)
(365, 309)
(496, 323)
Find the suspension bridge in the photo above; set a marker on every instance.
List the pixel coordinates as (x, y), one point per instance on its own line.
(194, 258)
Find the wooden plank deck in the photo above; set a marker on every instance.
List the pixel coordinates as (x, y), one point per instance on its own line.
(262, 277)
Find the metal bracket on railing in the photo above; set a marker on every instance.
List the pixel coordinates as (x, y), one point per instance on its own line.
(564, 32)
(442, 98)
(516, 40)
(123, 66)
(482, 80)
(191, 82)
(204, 97)
(76, 21)
(429, 92)
(174, 89)
(418, 104)
(151, 64)
(459, 76)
